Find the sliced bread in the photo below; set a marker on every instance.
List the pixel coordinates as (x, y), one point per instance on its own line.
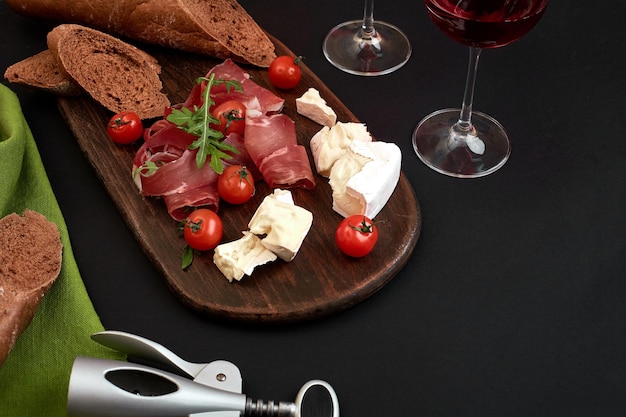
(30, 262)
(42, 71)
(229, 23)
(114, 73)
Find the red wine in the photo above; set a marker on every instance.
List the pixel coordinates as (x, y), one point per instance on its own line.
(485, 23)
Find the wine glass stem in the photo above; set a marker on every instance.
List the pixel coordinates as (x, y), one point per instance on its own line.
(367, 30)
(464, 125)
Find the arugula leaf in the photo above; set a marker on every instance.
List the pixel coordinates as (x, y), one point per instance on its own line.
(187, 257)
(210, 144)
(148, 168)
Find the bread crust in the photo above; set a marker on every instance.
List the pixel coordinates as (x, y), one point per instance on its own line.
(30, 262)
(199, 26)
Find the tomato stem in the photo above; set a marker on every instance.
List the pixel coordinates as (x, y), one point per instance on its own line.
(364, 227)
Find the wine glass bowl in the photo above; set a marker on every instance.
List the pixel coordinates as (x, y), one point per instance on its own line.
(365, 47)
(460, 142)
(485, 24)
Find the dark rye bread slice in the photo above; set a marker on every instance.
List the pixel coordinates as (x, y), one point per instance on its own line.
(42, 71)
(218, 28)
(30, 262)
(229, 23)
(114, 73)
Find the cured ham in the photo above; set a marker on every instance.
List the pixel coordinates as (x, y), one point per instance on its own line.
(266, 134)
(253, 95)
(272, 144)
(165, 167)
(177, 178)
(288, 167)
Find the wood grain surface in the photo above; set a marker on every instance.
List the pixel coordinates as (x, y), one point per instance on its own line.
(318, 282)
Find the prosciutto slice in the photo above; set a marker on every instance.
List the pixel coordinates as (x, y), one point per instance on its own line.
(288, 167)
(272, 144)
(178, 179)
(253, 95)
(179, 205)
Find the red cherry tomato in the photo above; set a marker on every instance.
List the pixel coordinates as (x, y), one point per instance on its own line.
(203, 229)
(356, 235)
(232, 117)
(284, 72)
(235, 185)
(125, 127)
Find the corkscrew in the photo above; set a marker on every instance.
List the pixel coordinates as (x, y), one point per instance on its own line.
(107, 388)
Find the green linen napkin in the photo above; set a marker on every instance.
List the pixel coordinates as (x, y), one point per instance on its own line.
(35, 376)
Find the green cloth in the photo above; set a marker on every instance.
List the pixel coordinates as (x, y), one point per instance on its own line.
(35, 376)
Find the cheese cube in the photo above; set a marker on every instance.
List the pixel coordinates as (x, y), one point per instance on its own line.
(313, 106)
(284, 224)
(239, 257)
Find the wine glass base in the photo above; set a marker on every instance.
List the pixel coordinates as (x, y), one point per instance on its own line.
(480, 155)
(348, 50)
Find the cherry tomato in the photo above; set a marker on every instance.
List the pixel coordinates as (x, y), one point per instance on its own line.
(232, 117)
(125, 127)
(235, 185)
(356, 235)
(203, 229)
(284, 72)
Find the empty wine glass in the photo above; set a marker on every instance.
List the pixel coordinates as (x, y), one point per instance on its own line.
(460, 142)
(365, 47)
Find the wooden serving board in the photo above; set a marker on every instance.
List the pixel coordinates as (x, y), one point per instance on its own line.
(319, 281)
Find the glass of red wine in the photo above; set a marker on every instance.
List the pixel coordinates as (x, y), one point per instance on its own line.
(365, 47)
(461, 142)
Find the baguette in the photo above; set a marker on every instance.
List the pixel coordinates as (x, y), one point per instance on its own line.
(42, 71)
(30, 262)
(116, 74)
(218, 28)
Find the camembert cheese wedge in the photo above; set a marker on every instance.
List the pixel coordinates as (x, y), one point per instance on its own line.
(314, 107)
(364, 178)
(284, 224)
(239, 257)
(330, 143)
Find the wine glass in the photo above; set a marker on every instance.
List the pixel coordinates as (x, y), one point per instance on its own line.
(365, 47)
(460, 142)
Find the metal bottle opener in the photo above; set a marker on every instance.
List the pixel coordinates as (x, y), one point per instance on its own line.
(106, 388)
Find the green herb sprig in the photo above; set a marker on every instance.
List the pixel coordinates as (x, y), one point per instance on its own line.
(210, 144)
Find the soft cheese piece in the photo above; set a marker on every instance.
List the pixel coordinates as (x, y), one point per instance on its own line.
(239, 257)
(330, 143)
(364, 178)
(313, 106)
(284, 224)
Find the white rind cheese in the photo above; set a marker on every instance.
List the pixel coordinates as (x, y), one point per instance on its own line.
(284, 227)
(330, 143)
(284, 224)
(314, 107)
(362, 173)
(239, 257)
(365, 177)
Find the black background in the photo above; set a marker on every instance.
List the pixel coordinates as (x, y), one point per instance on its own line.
(513, 302)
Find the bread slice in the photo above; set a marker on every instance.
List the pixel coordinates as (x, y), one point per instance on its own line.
(42, 71)
(229, 23)
(218, 28)
(30, 262)
(116, 74)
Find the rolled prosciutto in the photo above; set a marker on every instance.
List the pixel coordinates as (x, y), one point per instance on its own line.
(273, 146)
(253, 95)
(177, 179)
